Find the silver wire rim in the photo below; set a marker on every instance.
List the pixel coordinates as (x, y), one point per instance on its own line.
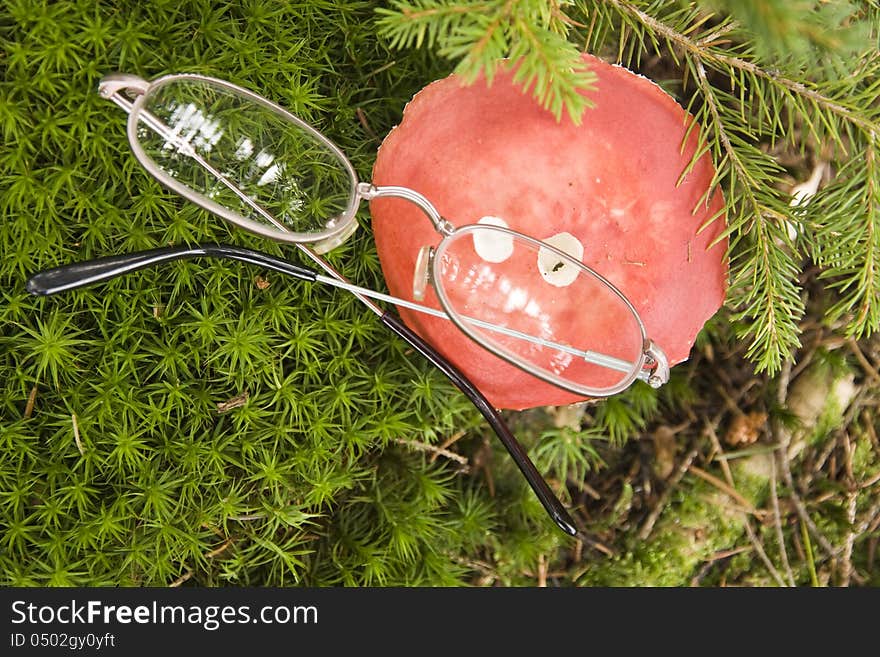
(345, 220)
(508, 355)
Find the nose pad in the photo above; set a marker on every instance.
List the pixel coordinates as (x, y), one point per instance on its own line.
(331, 243)
(422, 272)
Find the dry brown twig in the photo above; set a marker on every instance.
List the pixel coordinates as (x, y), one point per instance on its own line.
(683, 467)
(710, 430)
(542, 571)
(76, 437)
(869, 368)
(436, 451)
(783, 438)
(852, 496)
(449, 442)
(777, 524)
(183, 578)
(221, 549)
(781, 394)
(234, 402)
(753, 538)
(800, 507)
(718, 556)
(29, 407)
(727, 489)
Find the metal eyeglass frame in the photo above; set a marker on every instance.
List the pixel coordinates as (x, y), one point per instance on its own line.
(114, 86)
(650, 366)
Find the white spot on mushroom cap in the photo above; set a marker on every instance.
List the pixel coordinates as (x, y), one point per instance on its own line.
(554, 270)
(491, 245)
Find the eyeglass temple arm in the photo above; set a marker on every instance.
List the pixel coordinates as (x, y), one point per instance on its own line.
(81, 274)
(540, 487)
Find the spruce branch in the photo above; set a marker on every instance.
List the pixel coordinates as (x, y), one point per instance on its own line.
(530, 34)
(702, 49)
(758, 283)
(762, 105)
(847, 245)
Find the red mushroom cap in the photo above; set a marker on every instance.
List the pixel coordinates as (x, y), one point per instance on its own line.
(612, 182)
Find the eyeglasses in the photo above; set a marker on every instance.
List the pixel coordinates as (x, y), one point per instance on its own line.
(265, 170)
(260, 167)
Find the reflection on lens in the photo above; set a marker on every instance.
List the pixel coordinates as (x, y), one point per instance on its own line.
(584, 315)
(231, 150)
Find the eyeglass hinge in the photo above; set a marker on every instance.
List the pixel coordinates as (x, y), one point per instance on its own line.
(445, 227)
(366, 191)
(659, 364)
(111, 85)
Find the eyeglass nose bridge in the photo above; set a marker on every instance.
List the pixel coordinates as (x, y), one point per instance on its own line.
(369, 191)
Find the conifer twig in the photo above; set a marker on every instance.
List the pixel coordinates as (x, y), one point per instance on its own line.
(530, 36)
(699, 50)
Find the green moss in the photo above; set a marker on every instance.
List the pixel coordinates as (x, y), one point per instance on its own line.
(150, 481)
(690, 530)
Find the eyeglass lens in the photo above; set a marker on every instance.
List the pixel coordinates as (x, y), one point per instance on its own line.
(193, 129)
(530, 289)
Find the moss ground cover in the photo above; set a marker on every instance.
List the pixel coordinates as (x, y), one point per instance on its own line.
(208, 423)
(121, 468)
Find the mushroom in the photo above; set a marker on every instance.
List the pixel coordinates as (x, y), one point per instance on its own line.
(606, 191)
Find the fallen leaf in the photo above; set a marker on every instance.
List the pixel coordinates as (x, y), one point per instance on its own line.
(745, 429)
